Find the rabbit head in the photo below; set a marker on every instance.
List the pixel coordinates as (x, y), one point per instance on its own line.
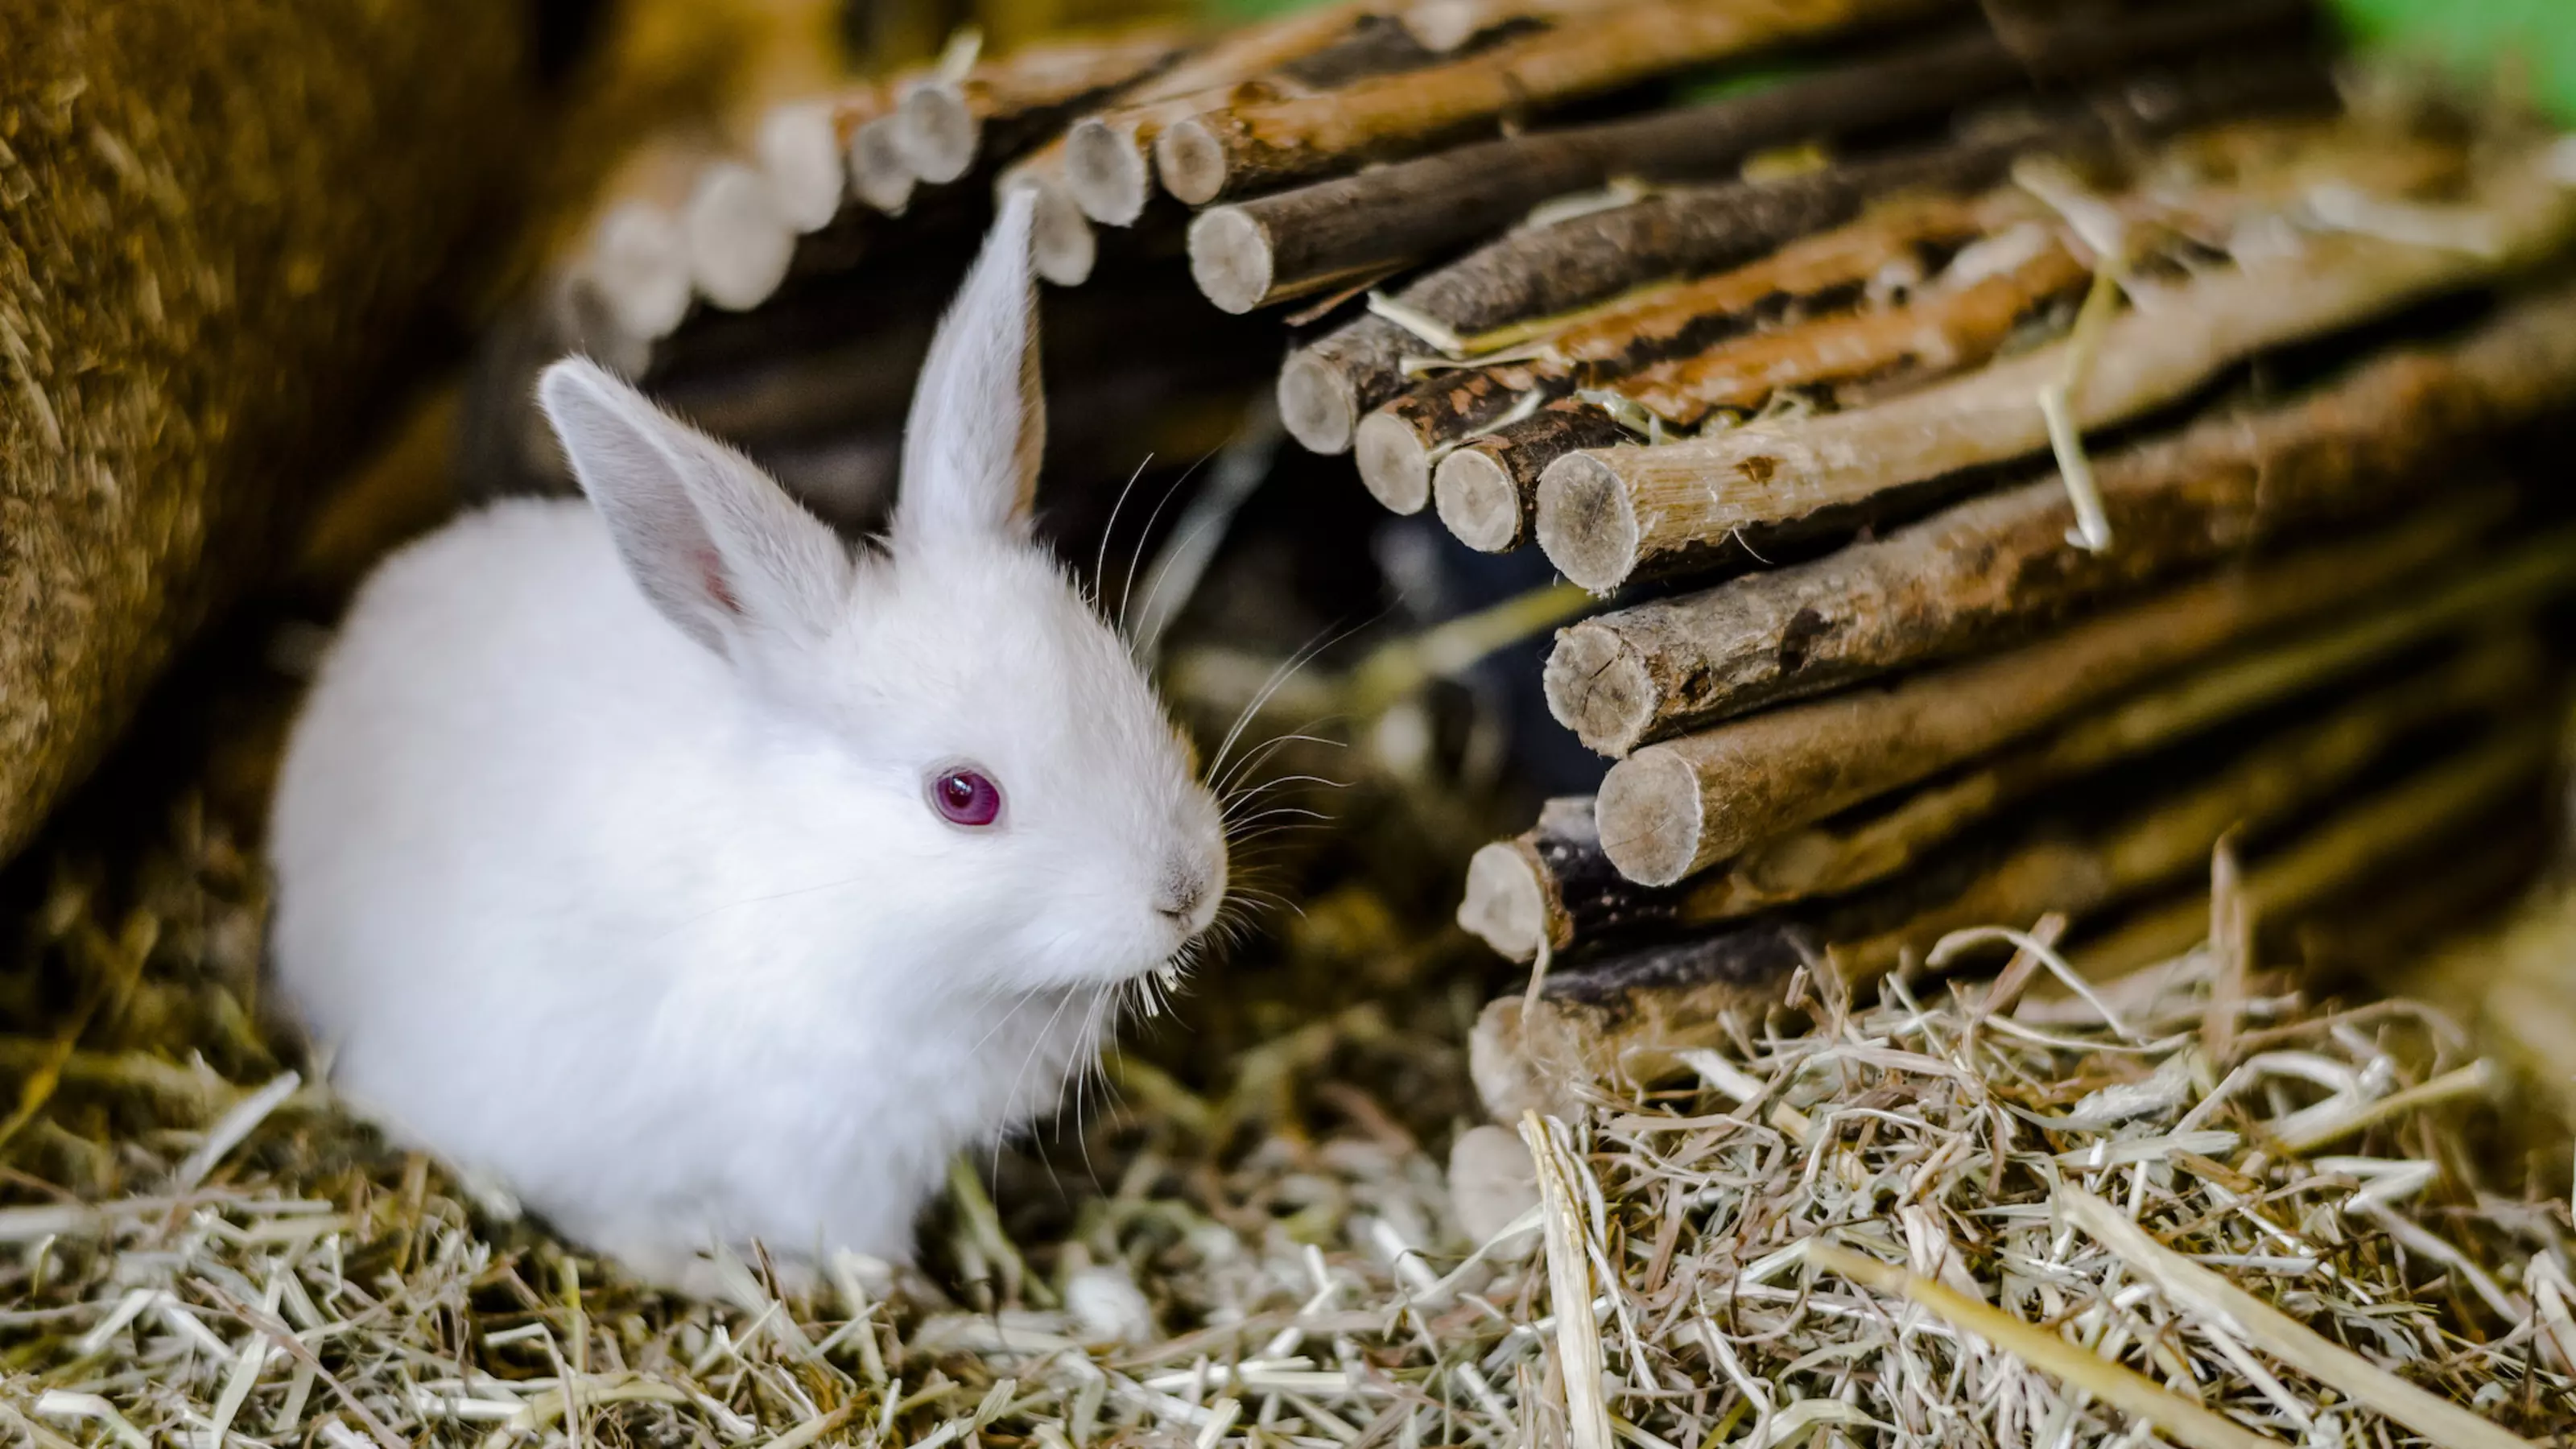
(941, 712)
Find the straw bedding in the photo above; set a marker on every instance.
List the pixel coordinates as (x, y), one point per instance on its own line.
(1247, 1233)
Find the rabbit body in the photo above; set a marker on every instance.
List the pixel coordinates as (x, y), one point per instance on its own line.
(610, 851)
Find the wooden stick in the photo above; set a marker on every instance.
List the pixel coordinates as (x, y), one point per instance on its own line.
(1103, 158)
(1947, 329)
(1483, 490)
(1554, 884)
(2186, 1421)
(1550, 270)
(801, 154)
(1397, 445)
(636, 262)
(1486, 488)
(944, 123)
(878, 173)
(1605, 514)
(1250, 147)
(1276, 248)
(2207, 1296)
(1628, 1016)
(1991, 568)
(740, 238)
(1675, 808)
(1359, 223)
(1063, 249)
(1641, 351)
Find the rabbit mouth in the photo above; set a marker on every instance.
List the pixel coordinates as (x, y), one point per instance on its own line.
(1155, 987)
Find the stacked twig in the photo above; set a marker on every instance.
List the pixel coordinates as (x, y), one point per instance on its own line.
(2044, 698)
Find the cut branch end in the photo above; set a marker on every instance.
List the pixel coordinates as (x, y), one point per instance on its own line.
(1477, 499)
(1231, 258)
(1587, 522)
(1105, 167)
(1393, 462)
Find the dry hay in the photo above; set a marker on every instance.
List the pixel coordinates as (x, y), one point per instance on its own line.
(1278, 1260)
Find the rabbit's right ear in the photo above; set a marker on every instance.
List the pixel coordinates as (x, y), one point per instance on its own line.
(978, 421)
(717, 545)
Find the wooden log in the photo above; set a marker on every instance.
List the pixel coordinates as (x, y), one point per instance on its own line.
(1230, 151)
(1489, 495)
(878, 173)
(1397, 445)
(230, 226)
(1108, 158)
(1313, 238)
(2395, 428)
(1240, 148)
(1543, 271)
(943, 123)
(1948, 328)
(739, 235)
(1484, 488)
(1672, 809)
(1326, 386)
(801, 155)
(1606, 514)
(636, 261)
(1554, 884)
(1113, 143)
(1626, 1019)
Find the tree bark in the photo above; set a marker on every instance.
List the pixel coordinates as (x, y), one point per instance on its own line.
(1608, 514)
(1993, 568)
(1673, 809)
(227, 221)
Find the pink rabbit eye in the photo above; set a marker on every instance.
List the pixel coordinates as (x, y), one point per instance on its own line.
(966, 797)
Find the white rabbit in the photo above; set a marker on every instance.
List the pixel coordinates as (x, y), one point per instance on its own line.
(697, 880)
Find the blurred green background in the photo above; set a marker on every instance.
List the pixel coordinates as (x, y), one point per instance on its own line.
(2536, 38)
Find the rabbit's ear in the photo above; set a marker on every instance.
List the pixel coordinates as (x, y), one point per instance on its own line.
(717, 546)
(978, 424)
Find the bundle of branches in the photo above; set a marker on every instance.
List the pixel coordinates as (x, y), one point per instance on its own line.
(2297, 601)
(871, 194)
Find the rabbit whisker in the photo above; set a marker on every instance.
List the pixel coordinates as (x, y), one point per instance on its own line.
(1100, 563)
(1136, 560)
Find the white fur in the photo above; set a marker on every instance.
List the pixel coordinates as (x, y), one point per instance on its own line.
(605, 865)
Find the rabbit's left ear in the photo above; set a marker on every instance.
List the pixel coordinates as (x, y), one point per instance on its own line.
(713, 542)
(978, 423)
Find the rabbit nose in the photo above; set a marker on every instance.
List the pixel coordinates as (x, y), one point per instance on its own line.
(1183, 890)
